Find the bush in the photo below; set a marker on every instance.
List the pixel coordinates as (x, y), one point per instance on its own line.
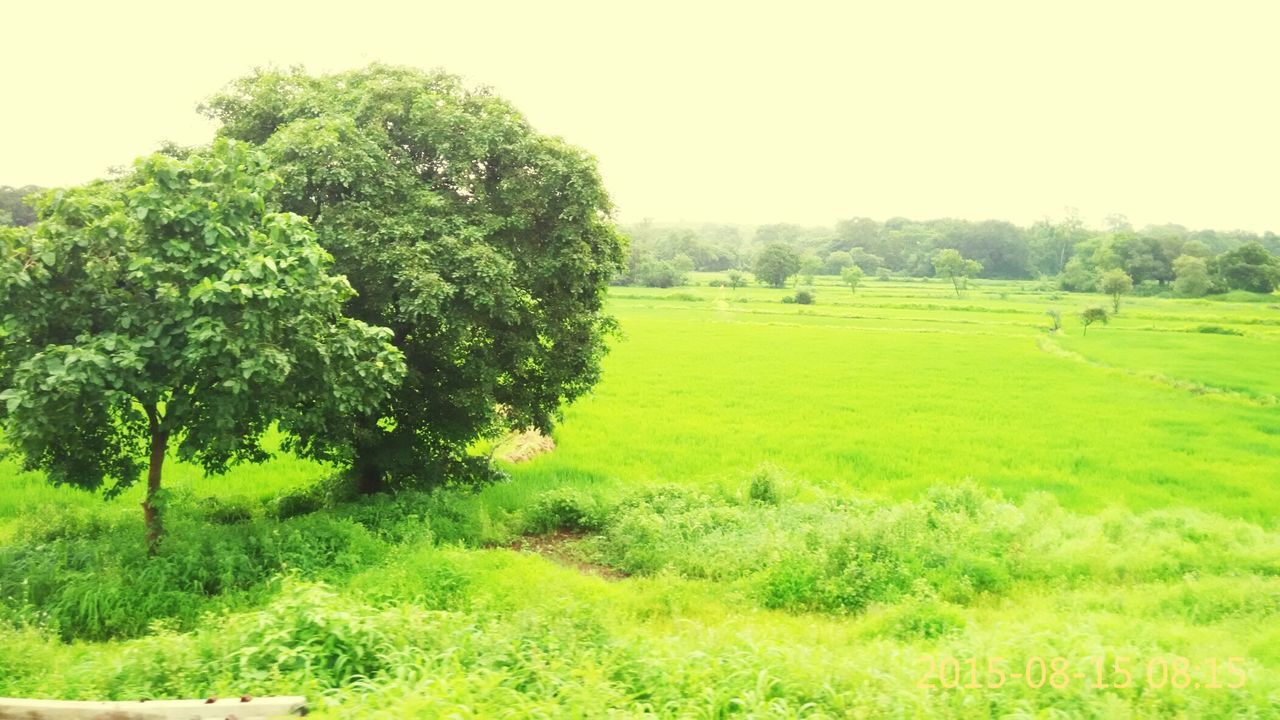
(923, 620)
(294, 504)
(564, 509)
(1152, 288)
(428, 577)
(1055, 315)
(1218, 330)
(766, 485)
(103, 586)
(314, 631)
(804, 297)
(227, 511)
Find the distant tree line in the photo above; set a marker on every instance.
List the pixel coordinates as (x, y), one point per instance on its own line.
(1157, 258)
(13, 211)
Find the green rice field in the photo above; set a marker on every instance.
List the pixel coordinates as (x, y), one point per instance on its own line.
(763, 510)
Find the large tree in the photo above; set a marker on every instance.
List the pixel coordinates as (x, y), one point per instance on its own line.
(172, 309)
(775, 264)
(1249, 267)
(484, 245)
(1192, 276)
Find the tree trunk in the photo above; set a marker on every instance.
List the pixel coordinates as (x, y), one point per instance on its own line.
(150, 509)
(369, 475)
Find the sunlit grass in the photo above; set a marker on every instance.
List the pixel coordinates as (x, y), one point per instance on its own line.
(1108, 537)
(703, 392)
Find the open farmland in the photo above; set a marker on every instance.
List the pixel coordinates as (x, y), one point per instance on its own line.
(762, 509)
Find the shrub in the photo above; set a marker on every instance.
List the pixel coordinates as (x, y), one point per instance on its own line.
(429, 578)
(227, 511)
(1218, 330)
(302, 502)
(766, 485)
(314, 631)
(105, 586)
(804, 297)
(563, 509)
(1151, 288)
(1055, 315)
(923, 620)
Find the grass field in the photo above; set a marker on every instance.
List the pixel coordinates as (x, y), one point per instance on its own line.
(764, 509)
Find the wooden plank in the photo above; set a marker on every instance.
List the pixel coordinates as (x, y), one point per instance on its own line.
(222, 708)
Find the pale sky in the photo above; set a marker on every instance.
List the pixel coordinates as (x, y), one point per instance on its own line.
(730, 111)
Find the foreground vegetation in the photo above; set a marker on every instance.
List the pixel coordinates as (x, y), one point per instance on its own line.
(764, 509)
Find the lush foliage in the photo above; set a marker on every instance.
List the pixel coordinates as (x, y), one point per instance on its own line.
(1249, 267)
(1115, 283)
(484, 245)
(852, 276)
(952, 265)
(686, 571)
(1093, 314)
(775, 264)
(1076, 255)
(1191, 276)
(171, 306)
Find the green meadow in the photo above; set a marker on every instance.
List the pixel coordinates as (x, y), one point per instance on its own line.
(763, 510)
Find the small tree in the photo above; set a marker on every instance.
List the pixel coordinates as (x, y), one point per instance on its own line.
(1092, 314)
(170, 308)
(1116, 283)
(810, 265)
(851, 276)
(1191, 276)
(776, 263)
(951, 264)
(1056, 316)
(736, 279)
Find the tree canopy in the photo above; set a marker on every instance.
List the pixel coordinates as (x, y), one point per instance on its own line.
(852, 276)
(776, 263)
(1191, 276)
(1078, 255)
(950, 264)
(1116, 283)
(484, 245)
(1091, 315)
(1249, 267)
(174, 308)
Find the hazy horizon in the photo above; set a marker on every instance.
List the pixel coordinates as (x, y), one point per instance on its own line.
(717, 114)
